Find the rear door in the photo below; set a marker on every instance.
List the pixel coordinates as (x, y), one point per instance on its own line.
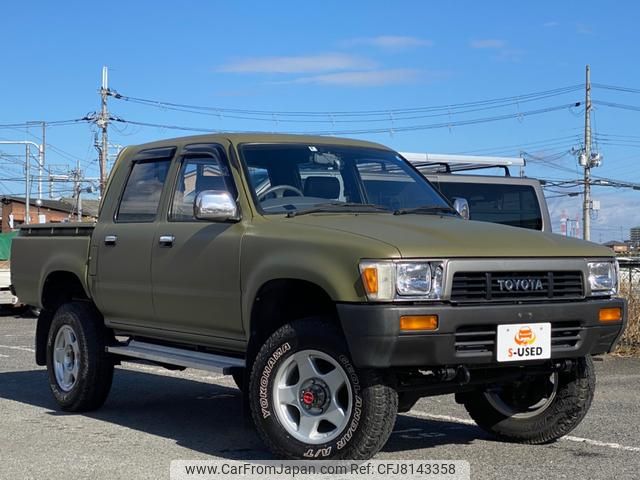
(195, 264)
(124, 242)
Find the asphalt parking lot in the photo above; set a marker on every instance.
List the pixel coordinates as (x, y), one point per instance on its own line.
(154, 416)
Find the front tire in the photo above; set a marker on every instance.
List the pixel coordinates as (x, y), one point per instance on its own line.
(80, 370)
(522, 413)
(308, 400)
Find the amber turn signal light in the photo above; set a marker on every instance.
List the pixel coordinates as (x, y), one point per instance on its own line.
(370, 278)
(610, 314)
(418, 322)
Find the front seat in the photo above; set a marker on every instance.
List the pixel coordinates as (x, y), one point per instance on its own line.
(322, 187)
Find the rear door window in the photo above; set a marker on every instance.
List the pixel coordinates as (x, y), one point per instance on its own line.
(141, 197)
(514, 205)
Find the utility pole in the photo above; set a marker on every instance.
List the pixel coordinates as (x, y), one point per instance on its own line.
(27, 201)
(586, 207)
(42, 158)
(77, 188)
(103, 123)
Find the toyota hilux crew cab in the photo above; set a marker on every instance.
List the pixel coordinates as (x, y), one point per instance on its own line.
(331, 280)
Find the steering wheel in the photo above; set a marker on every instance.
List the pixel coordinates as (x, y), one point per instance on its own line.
(279, 191)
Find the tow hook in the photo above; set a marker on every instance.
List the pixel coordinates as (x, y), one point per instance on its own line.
(459, 374)
(463, 375)
(564, 366)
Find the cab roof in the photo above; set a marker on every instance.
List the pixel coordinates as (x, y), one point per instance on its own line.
(238, 138)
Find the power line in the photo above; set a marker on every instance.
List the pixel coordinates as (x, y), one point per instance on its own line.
(168, 127)
(48, 145)
(615, 135)
(389, 116)
(622, 106)
(619, 144)
(218, 111)
(53, 123)
(547, 161)
(616, 88)
(391, 129)
(542, 144)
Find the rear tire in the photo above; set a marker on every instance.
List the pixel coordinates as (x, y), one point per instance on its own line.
(80, 370)
(309, 401)
(567, 405)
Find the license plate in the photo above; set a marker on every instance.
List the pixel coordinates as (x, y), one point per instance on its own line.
(524, 341)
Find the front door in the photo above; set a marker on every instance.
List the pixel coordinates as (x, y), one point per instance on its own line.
(195, 264)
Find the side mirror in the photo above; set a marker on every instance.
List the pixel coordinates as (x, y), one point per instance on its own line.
(216, 206)
(462, 207)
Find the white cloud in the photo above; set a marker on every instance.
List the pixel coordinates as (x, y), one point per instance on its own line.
(488, 43)
(328, 62)
(368, 78)
(551, 24)
(391, 42)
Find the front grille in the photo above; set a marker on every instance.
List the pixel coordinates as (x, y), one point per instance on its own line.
(481, 339)
(508, 286)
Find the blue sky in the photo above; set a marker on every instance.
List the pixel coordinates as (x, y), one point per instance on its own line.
(331, 57)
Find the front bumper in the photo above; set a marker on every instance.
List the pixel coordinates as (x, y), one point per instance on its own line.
(374, 338)
(7, 298)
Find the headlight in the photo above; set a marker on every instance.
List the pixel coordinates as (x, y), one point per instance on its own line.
(386, 281)
(603, 277)
(413, 278)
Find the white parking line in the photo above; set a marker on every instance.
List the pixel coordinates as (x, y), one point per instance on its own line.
(570, 438)
(13, 347)
(598, 443)
(446, 418)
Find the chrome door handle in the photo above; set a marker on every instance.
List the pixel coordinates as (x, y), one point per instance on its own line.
(110, 240)
(166, 240)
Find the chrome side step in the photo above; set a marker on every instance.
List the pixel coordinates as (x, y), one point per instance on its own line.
(177, 357)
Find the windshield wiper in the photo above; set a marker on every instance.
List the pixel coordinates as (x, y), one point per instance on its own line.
(339, 207)
(427, 209)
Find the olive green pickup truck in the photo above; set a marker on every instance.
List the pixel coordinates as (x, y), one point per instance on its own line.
(331, 280)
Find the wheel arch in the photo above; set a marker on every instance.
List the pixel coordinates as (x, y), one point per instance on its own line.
(58, 288)
(280, 301)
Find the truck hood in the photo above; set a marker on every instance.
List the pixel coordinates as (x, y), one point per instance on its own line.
(416, 236)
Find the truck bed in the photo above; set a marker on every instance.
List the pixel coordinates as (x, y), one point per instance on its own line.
(40, 250)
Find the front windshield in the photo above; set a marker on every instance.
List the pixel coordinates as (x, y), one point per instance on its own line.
(295, 177)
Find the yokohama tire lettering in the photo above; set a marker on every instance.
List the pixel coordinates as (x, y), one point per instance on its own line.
(357, 403)
(264, 378)
(321, 452)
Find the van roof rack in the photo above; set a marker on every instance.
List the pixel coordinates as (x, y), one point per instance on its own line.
(443, 163)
